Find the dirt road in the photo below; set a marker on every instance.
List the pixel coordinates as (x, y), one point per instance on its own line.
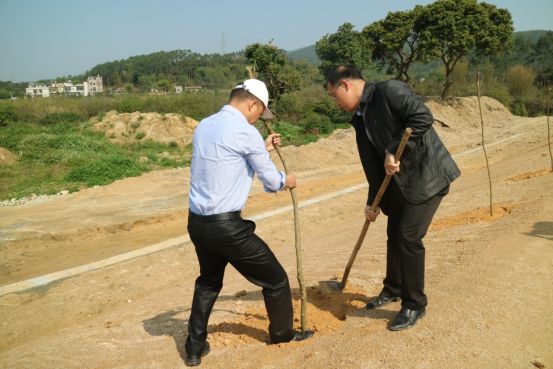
(488, 278)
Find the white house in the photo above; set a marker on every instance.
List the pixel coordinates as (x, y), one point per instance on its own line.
(91, 86)
(37, 90)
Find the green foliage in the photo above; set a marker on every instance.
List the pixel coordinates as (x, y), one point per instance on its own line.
(63, 117)
(130, 105)
(493, 85)
(8, 114)
(451, 29)
(168, 67)
(542, 59)
(316, 124)
(164, 85)
(520, 80)
(104, 171)
(140, 135)
(345, 47)
(10, 89)
(274, 69)
(66, 155)
(394, 42)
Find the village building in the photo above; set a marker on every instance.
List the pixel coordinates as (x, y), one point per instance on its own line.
(93, 85)
(37, 90)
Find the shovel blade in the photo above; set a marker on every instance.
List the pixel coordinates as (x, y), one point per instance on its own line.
(328, 287)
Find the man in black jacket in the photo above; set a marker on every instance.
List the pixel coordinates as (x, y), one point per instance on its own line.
(382, 111)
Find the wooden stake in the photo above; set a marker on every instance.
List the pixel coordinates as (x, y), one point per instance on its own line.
(483, 146)
(549, 128)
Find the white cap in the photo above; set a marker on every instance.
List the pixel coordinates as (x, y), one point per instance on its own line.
(259, 90)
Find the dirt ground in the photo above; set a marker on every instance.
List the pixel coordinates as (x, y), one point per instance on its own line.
(488, 277)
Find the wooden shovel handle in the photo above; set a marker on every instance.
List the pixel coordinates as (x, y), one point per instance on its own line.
(374, 206)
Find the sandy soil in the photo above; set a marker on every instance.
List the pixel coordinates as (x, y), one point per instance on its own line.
(129, 127)
(488, 277)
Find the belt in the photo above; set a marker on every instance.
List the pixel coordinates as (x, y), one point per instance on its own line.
(215, 217)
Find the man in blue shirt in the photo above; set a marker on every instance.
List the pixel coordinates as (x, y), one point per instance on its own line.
(227, 151)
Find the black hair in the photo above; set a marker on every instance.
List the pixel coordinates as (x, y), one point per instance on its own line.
(343, 72)
(240, 94)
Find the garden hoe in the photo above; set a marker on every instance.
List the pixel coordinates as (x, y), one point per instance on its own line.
(327, 287)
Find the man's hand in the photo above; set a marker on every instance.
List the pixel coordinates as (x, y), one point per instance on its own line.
(371, 215)
(391, 166)
(272, 140)
(290, 181)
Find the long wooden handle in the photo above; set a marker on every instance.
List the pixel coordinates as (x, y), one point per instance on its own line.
(374, 206)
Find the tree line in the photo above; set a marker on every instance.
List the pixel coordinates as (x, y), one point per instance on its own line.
(442, 45)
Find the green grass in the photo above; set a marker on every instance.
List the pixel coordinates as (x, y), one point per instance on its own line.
(58, 150)
(70, 156)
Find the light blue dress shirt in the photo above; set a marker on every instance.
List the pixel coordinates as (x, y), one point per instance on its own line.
(227, 150)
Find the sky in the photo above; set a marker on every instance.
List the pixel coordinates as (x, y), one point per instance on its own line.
(43, 39)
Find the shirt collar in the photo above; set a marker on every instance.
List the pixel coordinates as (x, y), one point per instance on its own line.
(237, 113)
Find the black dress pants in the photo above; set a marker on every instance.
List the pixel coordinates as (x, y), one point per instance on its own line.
(227, 238)
(407, 226)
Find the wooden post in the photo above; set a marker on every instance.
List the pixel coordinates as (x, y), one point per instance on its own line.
(549, 128)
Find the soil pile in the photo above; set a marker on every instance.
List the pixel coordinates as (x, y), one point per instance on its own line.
(337, 149)
(463, 112)
(132, 127)
(6, 157)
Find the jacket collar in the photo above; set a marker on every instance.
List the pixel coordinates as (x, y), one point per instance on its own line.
(367, 95)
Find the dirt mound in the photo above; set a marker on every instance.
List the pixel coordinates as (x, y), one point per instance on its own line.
(131, 127)
(325, 314)
(337, 149)
(6, 157)
(463, 112)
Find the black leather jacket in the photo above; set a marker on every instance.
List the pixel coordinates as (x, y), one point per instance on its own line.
(385, 110)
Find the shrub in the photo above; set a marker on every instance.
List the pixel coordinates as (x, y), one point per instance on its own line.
(316, 124)
(140, 135)
(130, 105)
(8, 114)
(520, 80)
(64, 117)
(105, 170)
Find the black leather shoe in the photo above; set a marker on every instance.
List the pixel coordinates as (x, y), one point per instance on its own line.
(193, 360)
(296, 336)
(381, 301)
(406, 319)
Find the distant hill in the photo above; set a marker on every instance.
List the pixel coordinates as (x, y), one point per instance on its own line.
(531, 36)
(307, 54)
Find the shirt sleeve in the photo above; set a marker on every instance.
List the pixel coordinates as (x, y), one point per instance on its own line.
(260, 161)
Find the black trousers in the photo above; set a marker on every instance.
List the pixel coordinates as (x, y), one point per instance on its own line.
(407, 226)
(227, 238)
